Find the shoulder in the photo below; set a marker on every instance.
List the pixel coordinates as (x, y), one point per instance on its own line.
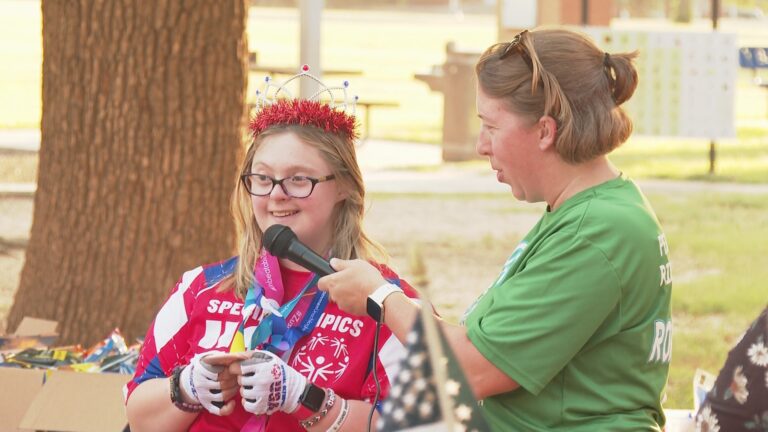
(207, 275)
(614, 211)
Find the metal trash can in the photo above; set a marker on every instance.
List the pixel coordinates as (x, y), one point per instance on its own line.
(456, 80)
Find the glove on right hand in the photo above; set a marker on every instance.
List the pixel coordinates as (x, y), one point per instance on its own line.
(200, 383)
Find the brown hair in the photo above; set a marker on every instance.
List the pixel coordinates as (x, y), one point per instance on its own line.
(571, 80)
(349, 239)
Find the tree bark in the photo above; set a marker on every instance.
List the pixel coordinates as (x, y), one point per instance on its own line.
(142, 129)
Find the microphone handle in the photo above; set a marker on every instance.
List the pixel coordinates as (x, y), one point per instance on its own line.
(308, 259)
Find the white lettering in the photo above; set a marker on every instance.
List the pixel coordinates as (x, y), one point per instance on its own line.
(344, 324)
(357, 327)
(325, 320)
(666, 274)
(236, 309)
(213, 305)
(663, 246)
(225, 306)
(335, 323)
(341, 324)
(212, 332)
(668, 343)
(225, 340)
(215, 337)
(661, 350)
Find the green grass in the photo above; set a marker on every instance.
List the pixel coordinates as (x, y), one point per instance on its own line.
(718, 248)
(744, 159)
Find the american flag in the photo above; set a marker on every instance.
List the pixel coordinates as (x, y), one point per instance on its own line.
(421, 395)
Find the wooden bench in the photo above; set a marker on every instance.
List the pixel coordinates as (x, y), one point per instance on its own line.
(254, 66)
(755, 59)
(368, 105)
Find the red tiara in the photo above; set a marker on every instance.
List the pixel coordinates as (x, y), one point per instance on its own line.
(275, 105)
(306, 113)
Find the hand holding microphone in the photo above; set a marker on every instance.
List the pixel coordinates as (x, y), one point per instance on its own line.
(352, 284)
(349, 288)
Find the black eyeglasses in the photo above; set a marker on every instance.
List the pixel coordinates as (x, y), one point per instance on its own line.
(516, 46)
(293, 186)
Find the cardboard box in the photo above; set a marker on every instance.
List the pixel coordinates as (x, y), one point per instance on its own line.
(56, 400)
(18, 387)
(78, 402)
(31, 333)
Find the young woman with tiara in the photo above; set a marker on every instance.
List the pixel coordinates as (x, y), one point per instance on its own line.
(316, 368)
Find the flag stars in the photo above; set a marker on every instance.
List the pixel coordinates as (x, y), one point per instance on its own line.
(452, 387)
(420, 384)
(463, 413)
(425, 409)
(416, 360)
(398, 415)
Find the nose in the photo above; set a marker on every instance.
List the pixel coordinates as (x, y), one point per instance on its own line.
(483, 144)
(278, 192)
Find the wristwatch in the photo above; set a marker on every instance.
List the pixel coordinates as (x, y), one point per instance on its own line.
(375, 302)
(312, 398)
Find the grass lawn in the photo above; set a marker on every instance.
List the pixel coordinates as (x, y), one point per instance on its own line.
(718, 245)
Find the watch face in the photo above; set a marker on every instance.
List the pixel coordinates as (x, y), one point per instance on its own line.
(313, 398)
(373, 309)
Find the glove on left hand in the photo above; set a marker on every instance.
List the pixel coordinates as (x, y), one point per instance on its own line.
(268, 385)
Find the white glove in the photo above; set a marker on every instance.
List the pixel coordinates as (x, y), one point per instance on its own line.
(268, 385)
(200, 384)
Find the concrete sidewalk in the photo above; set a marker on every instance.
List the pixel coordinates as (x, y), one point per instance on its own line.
(402, 167)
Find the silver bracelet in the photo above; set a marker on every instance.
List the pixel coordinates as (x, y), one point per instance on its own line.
(342, 416)
(329, 401)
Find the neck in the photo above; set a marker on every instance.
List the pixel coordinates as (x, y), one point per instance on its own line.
(285, 263)
(320, 250)
(580, 177)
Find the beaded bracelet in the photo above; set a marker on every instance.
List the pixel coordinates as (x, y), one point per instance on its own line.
(176, 397)
(342, 416)
(329, 401)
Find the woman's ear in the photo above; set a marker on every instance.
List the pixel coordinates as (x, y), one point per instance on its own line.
(547, 132)
(341, 194)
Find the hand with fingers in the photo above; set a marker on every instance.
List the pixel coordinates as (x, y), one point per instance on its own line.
(207, 381)
(268, 384)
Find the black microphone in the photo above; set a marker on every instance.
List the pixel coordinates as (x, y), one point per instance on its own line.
(282, 242)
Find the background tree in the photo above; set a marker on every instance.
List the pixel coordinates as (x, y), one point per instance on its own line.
(143, 114)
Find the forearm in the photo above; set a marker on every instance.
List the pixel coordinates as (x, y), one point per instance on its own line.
(484, 377)
(400, 313)
(150, 409)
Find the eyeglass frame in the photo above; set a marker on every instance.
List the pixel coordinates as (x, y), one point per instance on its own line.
(516, 45)
(275, 182)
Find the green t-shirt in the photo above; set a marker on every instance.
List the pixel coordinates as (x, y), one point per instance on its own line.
(580, 318)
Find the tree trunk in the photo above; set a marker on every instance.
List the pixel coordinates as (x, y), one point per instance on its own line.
(143, 115)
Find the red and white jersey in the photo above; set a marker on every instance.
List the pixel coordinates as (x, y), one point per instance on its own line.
(336, 354)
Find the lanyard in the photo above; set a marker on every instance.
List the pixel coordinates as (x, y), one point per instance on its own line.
(273, 331)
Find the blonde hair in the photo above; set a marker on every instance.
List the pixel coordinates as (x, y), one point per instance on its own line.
(571, 80)
(349, 240)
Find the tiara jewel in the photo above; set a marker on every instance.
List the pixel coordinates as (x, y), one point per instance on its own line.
(330, 108)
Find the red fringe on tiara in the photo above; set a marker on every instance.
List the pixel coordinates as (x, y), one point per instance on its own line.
(304, 112)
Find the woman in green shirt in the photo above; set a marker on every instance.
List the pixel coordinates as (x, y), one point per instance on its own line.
(574, 335)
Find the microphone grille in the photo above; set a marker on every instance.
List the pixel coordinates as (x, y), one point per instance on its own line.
(277, 238)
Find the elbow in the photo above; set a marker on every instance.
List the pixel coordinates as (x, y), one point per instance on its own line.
(483, 388)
